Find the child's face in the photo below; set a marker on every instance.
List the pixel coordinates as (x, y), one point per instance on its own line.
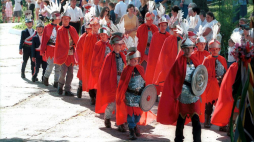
(39, 29)
(201, 46)
(117, 47)
(231, 44)
(214, 51)
(29, 25)
(134, 61)
(187, 51)
(104, 37)
(88, 30)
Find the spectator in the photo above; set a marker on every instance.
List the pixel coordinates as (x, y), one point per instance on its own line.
(195, 14)
(252, 20)
(163, 2)
(136, 3)
(202, 16)
(143, 9)
(231, 48)
(17, 10)
(104, 3)
(105, 13)
(240, 9)
(140, 18)
(176, 2)
(207, 29)
(185, 4)
(3, 10)
(248, 33)
(8, 10)
(120, 10)
(130, 21)
(44, 13)
(37, 8)
(112, 15)
(97, 7)
(174, 13)
(31, 6)
(76, 15)
(242, 21)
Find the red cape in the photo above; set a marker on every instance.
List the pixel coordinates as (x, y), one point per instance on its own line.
(90, 41)
(212, 90)
(79, 50)
(142, 34)
(200, 55)
(222, 111)
(97, 61)
(49, 51)
(168, 109)
(155, 49)
(121, 108)
(62, 44)
(166, 59)
(107, 84)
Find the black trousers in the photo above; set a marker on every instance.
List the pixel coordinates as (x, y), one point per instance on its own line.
(26, 55)
(76, 26)
(209, 108)
(196, 131)
(39, 63)
(31, 7)
(92, 93)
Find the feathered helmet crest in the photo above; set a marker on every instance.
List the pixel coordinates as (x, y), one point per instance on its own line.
(39, 24)
(214, 43)
(161, 12)
(200, 37)
(54, 10)
(28, 16)
(132, 51)
(179, 19)
(65, 12)
(183, 30)
(92, 17)
(149, 15)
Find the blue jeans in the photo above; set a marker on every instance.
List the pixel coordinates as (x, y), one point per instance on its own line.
(185, 10)
(240, 12)
(133, 120)
(229, 63)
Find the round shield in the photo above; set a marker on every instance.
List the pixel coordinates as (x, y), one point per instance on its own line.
(148, 98)
(199, 80)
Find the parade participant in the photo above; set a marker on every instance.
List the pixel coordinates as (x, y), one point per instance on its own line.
(178, 102)
(66, 41)
(36, 47)
(100, 51)
(89, 43)
(130, 87)
(168, 53)
(26, 43)
(216, 66)
(237, 91)
(80, 46)
(145, 33)
(108, 81)
(48, 43)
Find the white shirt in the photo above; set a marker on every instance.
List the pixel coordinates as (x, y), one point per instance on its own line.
(31, 31)
(231, 57)
(209, 25)
(238, 30)
(99, 7)
(75, 13)
(120, 9)
(198, 21)
(17, 6)
(203, 22)
(40, 42)
(136, 3)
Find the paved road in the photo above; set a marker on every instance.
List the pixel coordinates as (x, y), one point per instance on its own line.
(32, 112)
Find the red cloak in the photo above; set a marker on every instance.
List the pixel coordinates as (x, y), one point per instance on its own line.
(212, 90)
(142, 34)
(121, 109)
(168, 109)
(200, 55)
(166, 59)
(97, 62)
(222, 111)
(88, 47)
(79, 50)
(107, 84)
(155, 49)
(62, 46)
(48, 50)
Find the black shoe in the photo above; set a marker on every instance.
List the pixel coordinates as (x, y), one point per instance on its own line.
(45, 81)
(34, 79)
(223, 128)
(132, 134)
(23, 75)
(60, 91)
(121, 128)
(137, 131)
(93, 101)
(157, 98)
(207, 123)
(79, 92)
(107, 123)
(68, 93)
(55, 85)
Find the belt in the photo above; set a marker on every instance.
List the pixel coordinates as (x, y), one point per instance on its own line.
(119, 73)
(26, 45)
(133, 92)
(75, 22)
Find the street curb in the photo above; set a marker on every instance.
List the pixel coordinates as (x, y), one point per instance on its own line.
(15, 31)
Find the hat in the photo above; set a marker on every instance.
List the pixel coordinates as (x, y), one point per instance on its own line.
(54, 10)
(161, 12)
(117, 38)
(104, 29)
(173, 26)
(200, 37)
(28, 16)
(39, 24)
(132, 52)
(183, 29)
(87, 25)
(65, 12)
(214, 43)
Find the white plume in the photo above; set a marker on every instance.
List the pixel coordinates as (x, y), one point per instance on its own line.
(129, 42)
(150, 6)
(215, 29)
(66, 6)
(92, 11)
(161, 10)
(180, 16)
(118, 28)
(136, 41)
(183, 28)
(200, 31)
(236, 37)
(192, 22)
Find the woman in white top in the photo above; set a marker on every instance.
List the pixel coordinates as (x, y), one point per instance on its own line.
(174, 13)
(207, 29)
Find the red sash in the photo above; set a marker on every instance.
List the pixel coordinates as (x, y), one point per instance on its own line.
(28, 40)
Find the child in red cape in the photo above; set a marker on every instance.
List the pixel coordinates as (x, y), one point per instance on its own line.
(108, 80)
(131, 84)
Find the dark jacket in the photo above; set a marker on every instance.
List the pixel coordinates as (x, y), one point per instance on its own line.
(35, 44)
(24, 34)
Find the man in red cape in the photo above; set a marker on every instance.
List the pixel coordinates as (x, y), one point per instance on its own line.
(132, 78)
(108, 80)
(216, 66)
(155, 48)
(79, 49)
(66, 41)
(100, 51)
(145, 33)
(177, 100)
(88, 49)
(48, 47)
